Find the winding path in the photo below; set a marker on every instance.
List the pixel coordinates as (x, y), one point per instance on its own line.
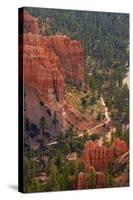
(107, 118)
(103, 123)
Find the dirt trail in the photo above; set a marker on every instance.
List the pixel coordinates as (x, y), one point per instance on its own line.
(107, 120)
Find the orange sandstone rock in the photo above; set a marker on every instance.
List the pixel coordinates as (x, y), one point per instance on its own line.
(47, 63)
(100, 179)
(81, 181)
(69, 53)
(119, 147)
(97, 156)
(29, 23)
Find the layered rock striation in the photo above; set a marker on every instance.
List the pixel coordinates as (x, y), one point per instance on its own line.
(100, 157)
(68, 52)
(97, 156)
(29, 23)
(119, 147)
(97, 159)
(48, 63)
(96, 180)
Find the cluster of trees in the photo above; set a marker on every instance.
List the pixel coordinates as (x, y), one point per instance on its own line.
(121, 132)
(57, 167)
(88, 99)
(105, 39)
(109, 84)
(104, 36)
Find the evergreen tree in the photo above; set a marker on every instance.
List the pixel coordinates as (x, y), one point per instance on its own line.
(36, 186)
(53, 184)
(43, 126)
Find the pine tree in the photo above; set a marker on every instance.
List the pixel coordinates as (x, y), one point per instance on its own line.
(55, 120)
(36, 186)
(43, 125)
(53, 184)
(108, 179)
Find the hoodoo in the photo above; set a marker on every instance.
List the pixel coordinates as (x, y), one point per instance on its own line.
(48, 62)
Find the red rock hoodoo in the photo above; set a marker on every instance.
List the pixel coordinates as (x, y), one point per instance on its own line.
(85, 182)
(48, 62)
(29, 23)
(97, 156)
(42, 69)
(68, 52)
(119, 147)
(81, 181)
(100, 156)
(100, 179)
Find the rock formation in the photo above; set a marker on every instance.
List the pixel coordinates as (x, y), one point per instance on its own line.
(42, 69)
(119, 147)
(100, 156)
(70, 54)
(100, 179)
(29, 23)
(73, 182)
(122, 180)
(97, 156)
(81, 181)
(85, 182)
(48, 62)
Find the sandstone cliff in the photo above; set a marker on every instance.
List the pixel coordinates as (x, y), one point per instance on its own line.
(48, 63)
(97, 159)
(85, 181)
(119, 147)
(100, 156)
(69, 52)
(97, 156)
(29, 23)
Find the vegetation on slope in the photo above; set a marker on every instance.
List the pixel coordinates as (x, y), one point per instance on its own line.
(105, 40)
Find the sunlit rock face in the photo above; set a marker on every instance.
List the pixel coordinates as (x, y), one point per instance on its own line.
(48, 62)
(83, 180)
(29, 23)
(70, 54)
(42, 69)
(100, 156)
(96, 156)
(119, 147)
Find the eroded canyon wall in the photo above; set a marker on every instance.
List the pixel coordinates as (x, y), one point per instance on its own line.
(48, 62)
